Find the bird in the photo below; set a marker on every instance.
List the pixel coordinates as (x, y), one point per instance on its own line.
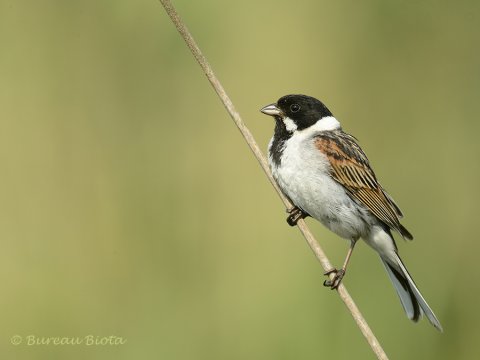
(326, 175)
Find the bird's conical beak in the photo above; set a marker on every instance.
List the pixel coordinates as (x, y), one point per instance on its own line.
(271, 110)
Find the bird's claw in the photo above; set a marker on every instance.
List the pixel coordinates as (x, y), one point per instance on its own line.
(337, 279)
(295, 215)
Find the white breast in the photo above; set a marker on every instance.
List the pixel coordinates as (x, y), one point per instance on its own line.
(304, 176)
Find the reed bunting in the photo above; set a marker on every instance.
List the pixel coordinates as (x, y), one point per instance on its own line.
(327, 176)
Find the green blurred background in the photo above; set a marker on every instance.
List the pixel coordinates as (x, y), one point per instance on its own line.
(131, 206)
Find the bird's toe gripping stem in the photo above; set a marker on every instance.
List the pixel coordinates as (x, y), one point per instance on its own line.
(335, 282)
(295, 215)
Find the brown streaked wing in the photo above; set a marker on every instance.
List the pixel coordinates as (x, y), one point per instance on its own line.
(350, 168)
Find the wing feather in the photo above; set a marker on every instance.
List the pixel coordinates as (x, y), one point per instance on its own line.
(350, 168)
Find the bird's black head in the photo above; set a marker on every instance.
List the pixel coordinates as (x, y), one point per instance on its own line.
(297, 112)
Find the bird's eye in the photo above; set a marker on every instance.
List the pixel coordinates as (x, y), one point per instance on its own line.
(294, 108)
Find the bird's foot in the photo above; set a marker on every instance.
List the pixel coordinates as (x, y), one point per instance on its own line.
(295, 215)
(335, 282)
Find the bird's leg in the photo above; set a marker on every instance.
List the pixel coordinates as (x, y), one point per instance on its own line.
(339, 274)
(295, 215)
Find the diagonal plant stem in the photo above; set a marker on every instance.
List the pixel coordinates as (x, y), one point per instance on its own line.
(314, 245)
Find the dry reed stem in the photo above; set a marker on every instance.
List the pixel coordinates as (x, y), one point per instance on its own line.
(314, 245)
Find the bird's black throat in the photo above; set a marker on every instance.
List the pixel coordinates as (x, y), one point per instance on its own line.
(278, 144)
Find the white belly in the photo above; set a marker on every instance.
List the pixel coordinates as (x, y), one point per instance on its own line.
(304, 177)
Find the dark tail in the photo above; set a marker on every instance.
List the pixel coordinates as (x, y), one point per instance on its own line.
(412, 301)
